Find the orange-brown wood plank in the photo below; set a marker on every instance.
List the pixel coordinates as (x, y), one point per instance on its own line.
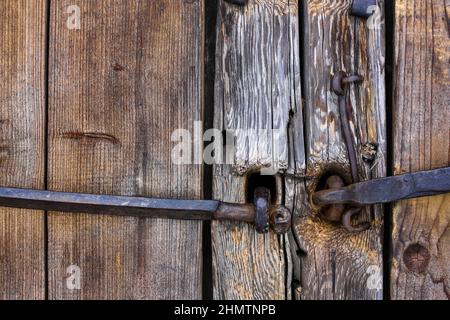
(22, 141)
(119, 85)
(421, 114)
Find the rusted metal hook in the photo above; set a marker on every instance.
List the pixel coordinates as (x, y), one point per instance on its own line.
(339, 84)
(338, 212)
(347, 221)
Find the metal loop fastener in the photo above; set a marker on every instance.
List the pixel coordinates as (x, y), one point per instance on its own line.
(339, 84)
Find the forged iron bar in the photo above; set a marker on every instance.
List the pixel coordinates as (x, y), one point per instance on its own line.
(106, 204)
(148, 207)
(261, 213)
(389, 189)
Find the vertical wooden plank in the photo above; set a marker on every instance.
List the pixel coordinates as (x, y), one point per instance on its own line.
(334, 263)
(119, 86)
(421, 113)
(257, 86)
(22, 127)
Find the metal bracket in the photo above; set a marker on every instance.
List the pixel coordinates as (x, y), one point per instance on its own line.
(362, 8)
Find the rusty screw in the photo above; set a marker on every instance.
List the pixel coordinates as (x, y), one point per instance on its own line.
(280, 219)
(277, 216)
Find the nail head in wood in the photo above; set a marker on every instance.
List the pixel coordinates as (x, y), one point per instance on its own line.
(280, 219)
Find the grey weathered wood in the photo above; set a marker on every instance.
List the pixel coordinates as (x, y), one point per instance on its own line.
(119, 86)
(257, 86)
(334, 263)
(22, 137)
(421, 115)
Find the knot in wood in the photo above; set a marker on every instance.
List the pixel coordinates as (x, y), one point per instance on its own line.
(416, 258)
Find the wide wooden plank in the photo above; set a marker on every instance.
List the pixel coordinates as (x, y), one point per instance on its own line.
(22, 144)
(336, 264)
(421, 114)
(257, 86)
(119, 86)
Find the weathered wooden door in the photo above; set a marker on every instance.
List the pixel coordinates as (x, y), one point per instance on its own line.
(92, 94)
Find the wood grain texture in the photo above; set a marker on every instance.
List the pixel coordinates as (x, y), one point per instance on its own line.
(257, 85)
(119, 86)
(421, 116)
(334, 263)
(22, 137)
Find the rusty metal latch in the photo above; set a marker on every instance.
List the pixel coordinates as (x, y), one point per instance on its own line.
(388, 189)
(261, 213)
(383, 190)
